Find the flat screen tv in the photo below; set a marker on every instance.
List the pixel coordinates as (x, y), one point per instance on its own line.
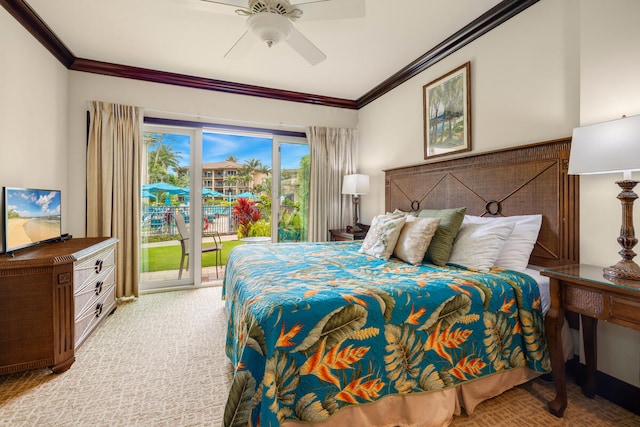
(30, 217)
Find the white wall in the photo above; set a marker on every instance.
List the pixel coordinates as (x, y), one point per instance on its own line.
(33, 113)
(524, 89)
(553, 67)
(609, 88)
(161, 100)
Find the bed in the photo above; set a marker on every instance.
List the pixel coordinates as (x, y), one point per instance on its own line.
(323, 333)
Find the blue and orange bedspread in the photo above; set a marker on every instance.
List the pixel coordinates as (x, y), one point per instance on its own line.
(316, 327)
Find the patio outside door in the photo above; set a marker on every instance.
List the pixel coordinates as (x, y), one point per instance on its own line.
(166, 207)
(293, 190)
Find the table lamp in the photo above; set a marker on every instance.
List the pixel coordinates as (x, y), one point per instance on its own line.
(612, 147)
(355, 185)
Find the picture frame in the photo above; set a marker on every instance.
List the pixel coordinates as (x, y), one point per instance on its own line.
(447, 113)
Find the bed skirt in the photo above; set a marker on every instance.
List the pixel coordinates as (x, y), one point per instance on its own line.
(433, 409)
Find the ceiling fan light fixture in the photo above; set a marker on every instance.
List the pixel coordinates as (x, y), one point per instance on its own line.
(269, 27)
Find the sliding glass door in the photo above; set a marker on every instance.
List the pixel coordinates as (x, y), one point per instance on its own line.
(293, 158)
(208, 190)
(166, 213)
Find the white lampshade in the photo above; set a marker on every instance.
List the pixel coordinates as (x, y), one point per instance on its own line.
(355, 184)
(606, 147)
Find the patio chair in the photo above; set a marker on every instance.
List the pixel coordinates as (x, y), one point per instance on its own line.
(184, 243)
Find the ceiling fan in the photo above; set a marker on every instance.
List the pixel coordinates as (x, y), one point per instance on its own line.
(271, 21)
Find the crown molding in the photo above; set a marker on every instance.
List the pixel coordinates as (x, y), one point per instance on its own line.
(495, 16)
(30, 20)
(145, 74)
(500, 13)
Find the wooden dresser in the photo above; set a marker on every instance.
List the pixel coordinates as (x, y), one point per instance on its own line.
(51, 297)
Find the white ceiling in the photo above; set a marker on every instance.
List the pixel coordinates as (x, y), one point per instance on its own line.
(191, 37)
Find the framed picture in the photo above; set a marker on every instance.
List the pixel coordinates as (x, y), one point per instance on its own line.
(447, 113)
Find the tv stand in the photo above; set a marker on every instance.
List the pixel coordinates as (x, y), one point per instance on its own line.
(52, 297)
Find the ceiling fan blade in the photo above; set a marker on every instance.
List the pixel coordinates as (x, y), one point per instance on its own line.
(235, 3)
(241, 47)
(305, 48)
(343, 9)
(299, 2)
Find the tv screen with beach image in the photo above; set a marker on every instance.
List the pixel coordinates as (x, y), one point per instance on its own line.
(31, 216)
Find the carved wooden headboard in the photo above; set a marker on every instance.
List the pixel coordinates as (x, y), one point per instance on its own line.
(530, 179)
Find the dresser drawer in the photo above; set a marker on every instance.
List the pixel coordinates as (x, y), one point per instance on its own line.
(94, 312)
(87, 271)
(94, 290)
(86, 297)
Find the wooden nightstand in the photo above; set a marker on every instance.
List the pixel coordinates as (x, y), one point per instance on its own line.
(583, 289)
(344, 235)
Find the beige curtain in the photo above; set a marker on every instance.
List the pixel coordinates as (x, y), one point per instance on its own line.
(114, 167)
(333, 155)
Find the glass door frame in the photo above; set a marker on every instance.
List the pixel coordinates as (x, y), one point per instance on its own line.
(278, 141)
(193, 279)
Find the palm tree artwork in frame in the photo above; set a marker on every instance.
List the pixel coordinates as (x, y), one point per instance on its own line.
(447, 113)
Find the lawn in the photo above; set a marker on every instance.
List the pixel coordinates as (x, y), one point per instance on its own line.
(161, 258)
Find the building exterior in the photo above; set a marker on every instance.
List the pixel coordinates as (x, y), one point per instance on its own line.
(227, 178)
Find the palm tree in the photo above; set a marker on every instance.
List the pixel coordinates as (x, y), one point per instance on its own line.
(253, 164)
(264, 169)
(161, 157)
(249, 169)
(245, 176)
(232, 158)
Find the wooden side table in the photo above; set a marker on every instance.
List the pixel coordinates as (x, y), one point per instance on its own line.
(584, 289)
(344, 235)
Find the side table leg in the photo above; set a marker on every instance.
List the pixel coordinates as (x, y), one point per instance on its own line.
(589, 336)
(553, 327)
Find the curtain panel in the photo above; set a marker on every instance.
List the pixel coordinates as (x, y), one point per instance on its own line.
(333, 155)
(114, 166)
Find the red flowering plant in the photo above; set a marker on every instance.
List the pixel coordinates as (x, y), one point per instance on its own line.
(246, 214)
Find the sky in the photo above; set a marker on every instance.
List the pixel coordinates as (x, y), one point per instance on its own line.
(217, 147)
(33, 203)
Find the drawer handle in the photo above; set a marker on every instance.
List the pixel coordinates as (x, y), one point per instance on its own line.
(98, 310)
(99, 287)
(99, 266)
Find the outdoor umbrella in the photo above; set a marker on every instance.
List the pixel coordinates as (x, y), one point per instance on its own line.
(211, 193)
(207, 192)
(148, 194)
(163, 187)
(246, 195)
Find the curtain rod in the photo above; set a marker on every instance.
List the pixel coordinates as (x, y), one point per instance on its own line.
(227, 121)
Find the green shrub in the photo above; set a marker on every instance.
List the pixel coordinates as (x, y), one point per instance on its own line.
(260, 228)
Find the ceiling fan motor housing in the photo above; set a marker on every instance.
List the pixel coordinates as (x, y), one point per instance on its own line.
(270, 27)
(281, 7)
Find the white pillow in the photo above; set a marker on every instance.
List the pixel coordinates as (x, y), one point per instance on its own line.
(517, 250)
(382, 236)
(477, 245)
(414, 238)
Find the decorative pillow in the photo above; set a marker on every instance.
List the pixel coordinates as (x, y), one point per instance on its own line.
(412, 213)
(450, 222)
(415, 238)
(477, 246)
(517, 250)
(382, 236)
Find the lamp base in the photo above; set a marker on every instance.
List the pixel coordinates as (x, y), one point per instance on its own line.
(624, 269)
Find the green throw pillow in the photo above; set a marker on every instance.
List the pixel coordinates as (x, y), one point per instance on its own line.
(442, 242)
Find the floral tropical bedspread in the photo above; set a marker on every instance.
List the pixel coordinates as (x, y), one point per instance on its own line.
(316, 327)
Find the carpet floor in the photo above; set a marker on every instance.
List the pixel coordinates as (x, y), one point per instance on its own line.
(159, 361)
